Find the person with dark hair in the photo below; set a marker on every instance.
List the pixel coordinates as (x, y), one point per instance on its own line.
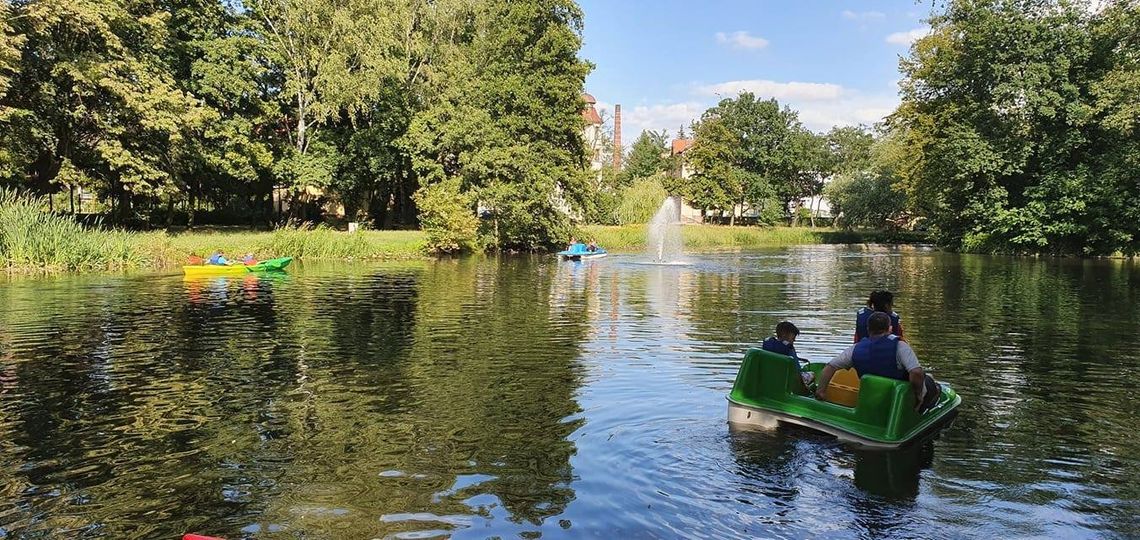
(218, 258)
(886, 355)
(784, 343)
(880, 302)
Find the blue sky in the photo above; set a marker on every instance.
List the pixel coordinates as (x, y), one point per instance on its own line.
(666, 61)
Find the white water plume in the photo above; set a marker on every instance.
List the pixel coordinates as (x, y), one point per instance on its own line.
(664, 237)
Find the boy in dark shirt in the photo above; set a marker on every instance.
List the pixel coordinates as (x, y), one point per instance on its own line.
(784, 343)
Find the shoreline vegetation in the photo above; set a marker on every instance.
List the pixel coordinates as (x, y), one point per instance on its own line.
(35, 241)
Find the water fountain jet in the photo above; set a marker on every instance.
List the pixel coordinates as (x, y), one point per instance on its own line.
(664, 235)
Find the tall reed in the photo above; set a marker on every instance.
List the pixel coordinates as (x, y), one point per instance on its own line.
(33, 238)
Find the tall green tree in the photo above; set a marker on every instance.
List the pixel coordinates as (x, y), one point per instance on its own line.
(752, 151)
(649, 155)
(509, 123)
(96, 103)
(1009, 113)
(334, 57)
(10, 44)
(849, 148)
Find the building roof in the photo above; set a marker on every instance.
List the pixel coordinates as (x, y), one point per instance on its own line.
(589, 99)
(680, 145)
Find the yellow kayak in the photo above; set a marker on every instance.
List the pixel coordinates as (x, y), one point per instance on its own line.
(270, 265)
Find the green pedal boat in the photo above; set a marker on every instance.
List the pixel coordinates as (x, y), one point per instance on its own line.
(871, 411)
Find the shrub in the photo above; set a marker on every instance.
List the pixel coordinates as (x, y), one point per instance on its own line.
(640, 201)
(447, 218)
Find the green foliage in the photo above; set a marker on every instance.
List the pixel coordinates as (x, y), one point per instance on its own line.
(171, 106)
(648, 156)
(447, 217)
(1017, 121)
(849, 149)
(753, 152)
(638, 202)
(32, 238)
(866, 199)
(9, 52)
(508, 125)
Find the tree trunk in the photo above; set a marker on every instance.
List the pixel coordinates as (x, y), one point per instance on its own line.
(814, 211)
(192, 206)
(71, 197)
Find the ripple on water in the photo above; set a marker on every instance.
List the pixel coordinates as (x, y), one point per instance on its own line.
(518, 397)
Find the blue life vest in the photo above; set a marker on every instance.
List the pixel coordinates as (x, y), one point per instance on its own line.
(878, 356)
(216, 259)
(773, 344)
(864, 314)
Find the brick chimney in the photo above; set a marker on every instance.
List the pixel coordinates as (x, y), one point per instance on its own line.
(617, 137)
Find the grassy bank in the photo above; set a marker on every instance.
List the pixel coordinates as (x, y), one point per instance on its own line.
(32, 240)
(697, 237)
(95, 250)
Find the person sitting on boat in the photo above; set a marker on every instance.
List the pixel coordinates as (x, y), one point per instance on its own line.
(886, 355)
(218, 258)
(248, 260)
(592, 246)
(881, 302)
(784, 343)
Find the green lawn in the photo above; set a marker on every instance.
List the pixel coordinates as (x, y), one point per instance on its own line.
(697, 237)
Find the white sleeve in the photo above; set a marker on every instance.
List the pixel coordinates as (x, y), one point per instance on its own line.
(905, 356)
(843, 361)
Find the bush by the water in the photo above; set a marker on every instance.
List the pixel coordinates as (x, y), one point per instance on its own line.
(446, 217)
(640, 201)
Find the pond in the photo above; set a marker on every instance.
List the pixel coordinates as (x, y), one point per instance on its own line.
(526, 397)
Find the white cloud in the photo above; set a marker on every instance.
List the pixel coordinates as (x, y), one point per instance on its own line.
(658, 117)
(741, 40)
(665, 116)
(851, 110)
(800, 91)
(864, 16)
(821, 106)
(906, 38)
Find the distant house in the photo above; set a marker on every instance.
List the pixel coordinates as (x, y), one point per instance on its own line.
(682, 170)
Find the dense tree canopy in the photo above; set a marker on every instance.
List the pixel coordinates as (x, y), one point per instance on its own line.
(166, 107)
(649, 155)
(754, 152)
(1018, 121)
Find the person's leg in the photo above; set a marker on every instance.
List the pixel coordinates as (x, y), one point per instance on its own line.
(933, 394)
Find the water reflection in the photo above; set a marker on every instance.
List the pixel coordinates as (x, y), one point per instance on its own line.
(519, 396)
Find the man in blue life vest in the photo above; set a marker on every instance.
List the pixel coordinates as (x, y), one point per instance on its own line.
(880, 301)
(784, 342)
(884, 354)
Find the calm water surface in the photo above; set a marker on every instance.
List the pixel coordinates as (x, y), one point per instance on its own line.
(521, 397)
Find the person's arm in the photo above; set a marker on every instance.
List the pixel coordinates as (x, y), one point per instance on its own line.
(917, 376)
(918, 383)
(842, 361)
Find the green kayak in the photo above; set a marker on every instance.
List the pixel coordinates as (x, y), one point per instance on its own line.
(269, 265)
(768, 391)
